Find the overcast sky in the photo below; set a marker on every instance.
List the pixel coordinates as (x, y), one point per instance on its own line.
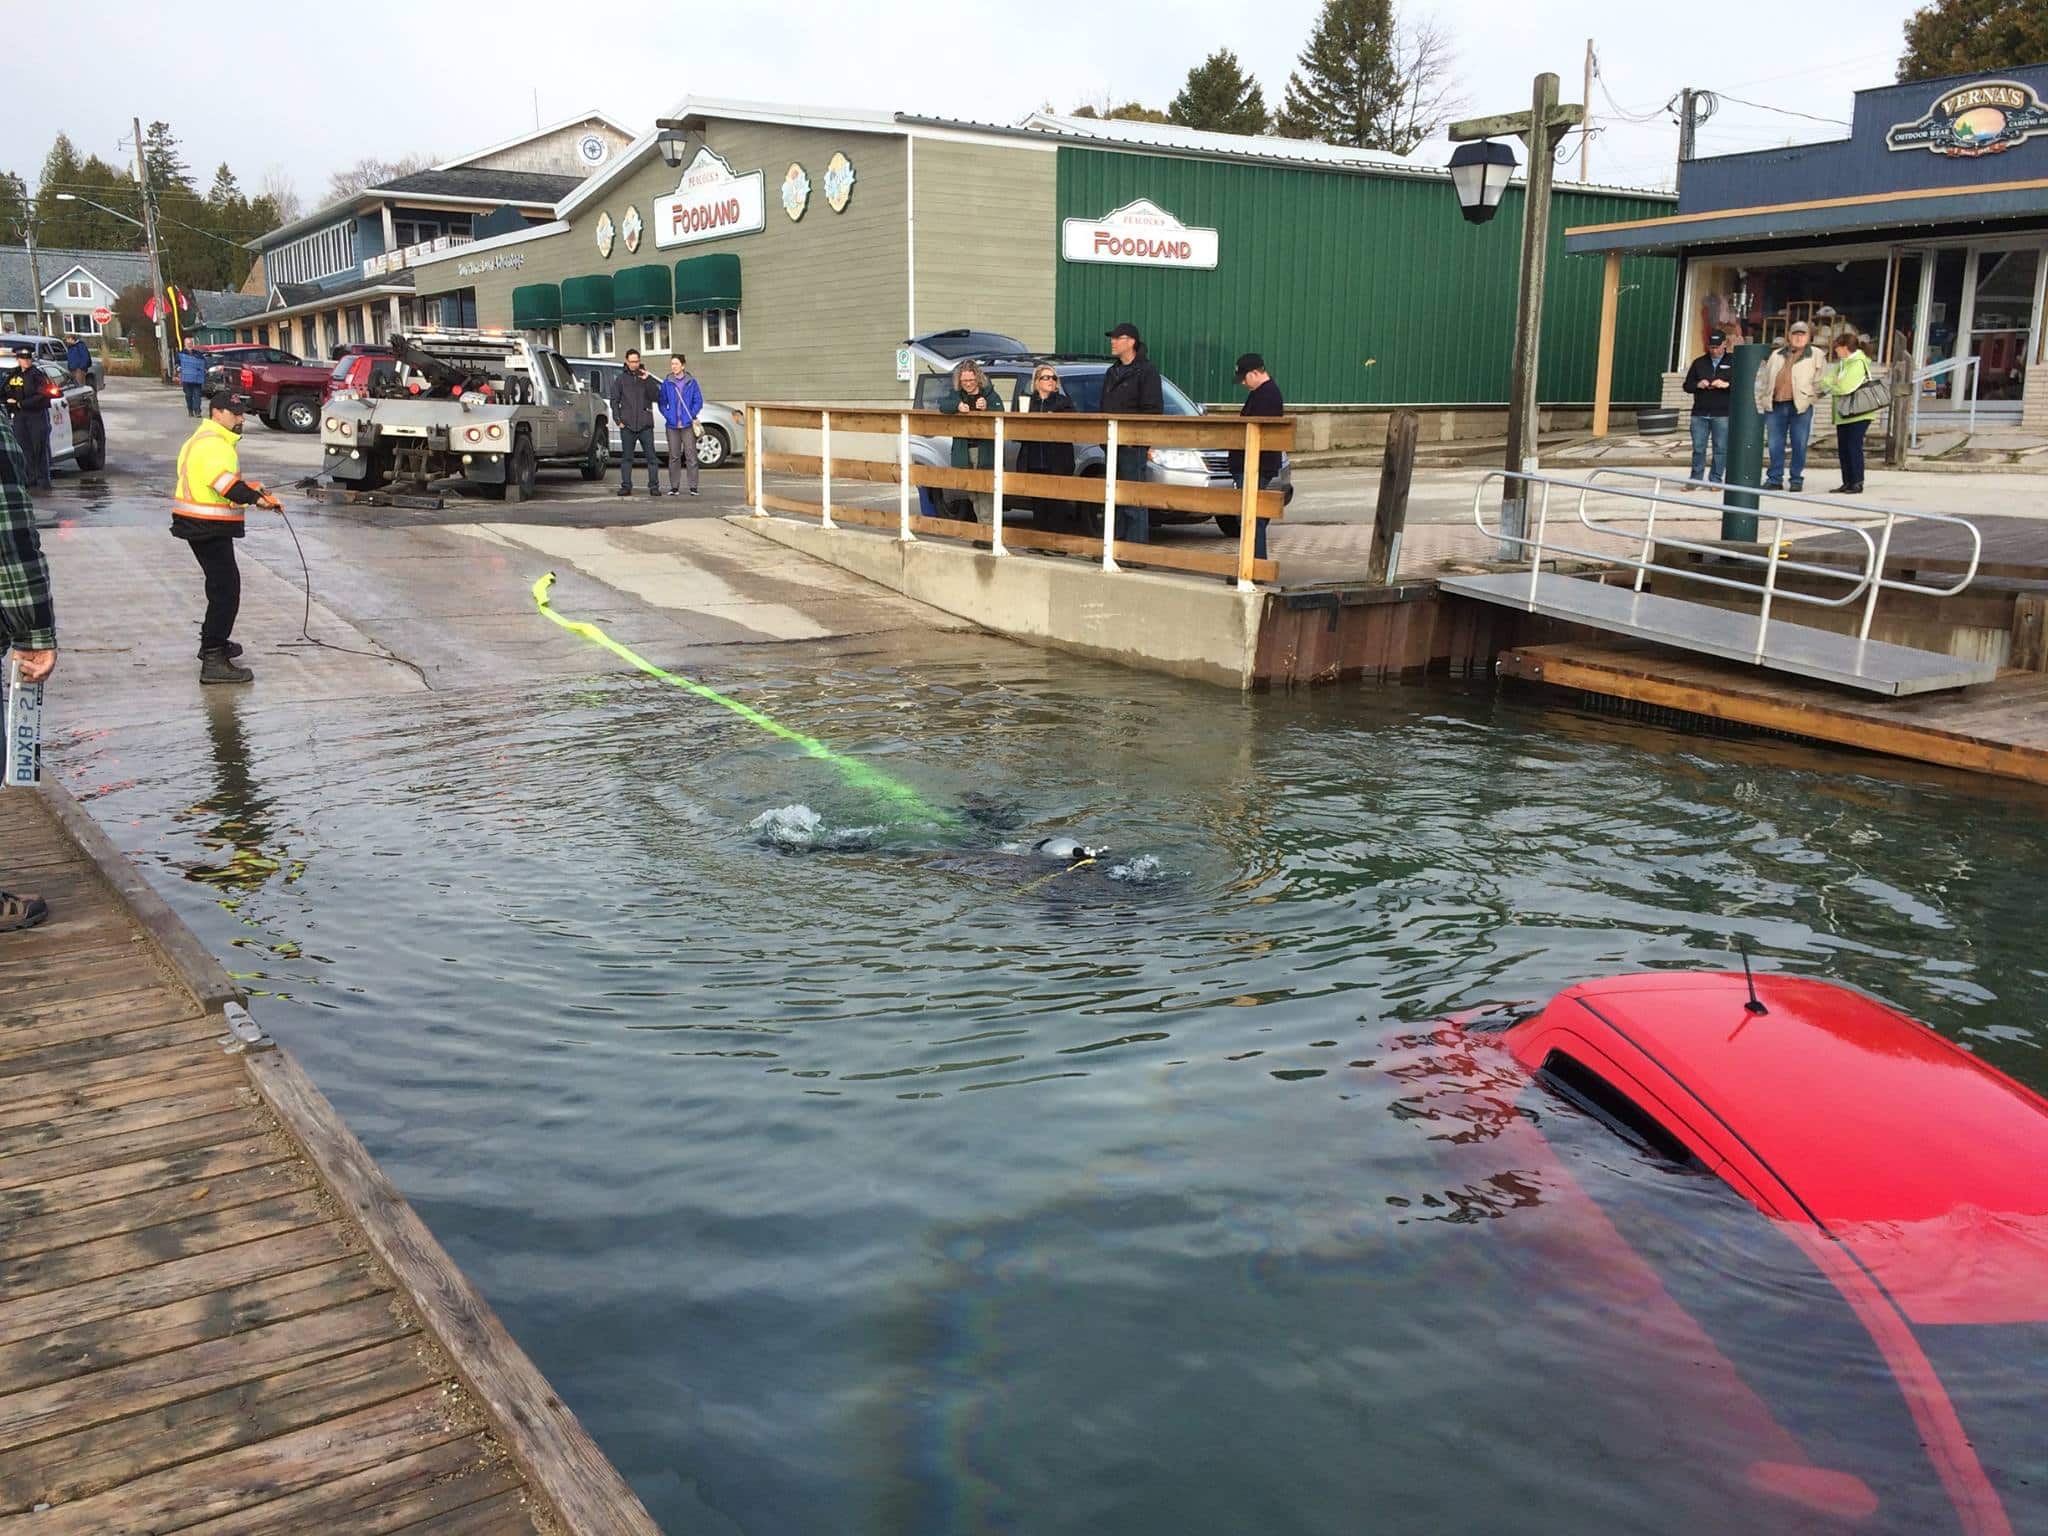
(311, 88)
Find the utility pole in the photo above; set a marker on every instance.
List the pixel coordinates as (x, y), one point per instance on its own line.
(156, 266)
(1540, 128)
(1586, 128)
(1688, 106)
(28, 239)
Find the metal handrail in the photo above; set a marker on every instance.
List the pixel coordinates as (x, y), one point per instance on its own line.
(1935, 371)
(1870, 577)
(1873, 578)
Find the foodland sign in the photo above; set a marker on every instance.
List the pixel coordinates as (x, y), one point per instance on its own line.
(1140, 234)
(709, 203)
(1980, 119)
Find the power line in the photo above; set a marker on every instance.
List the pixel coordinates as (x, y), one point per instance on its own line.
(1782, 111)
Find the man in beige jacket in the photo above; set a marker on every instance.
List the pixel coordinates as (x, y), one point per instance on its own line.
(1786, 387)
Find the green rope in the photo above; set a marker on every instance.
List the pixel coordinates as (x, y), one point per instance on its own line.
(857, 773)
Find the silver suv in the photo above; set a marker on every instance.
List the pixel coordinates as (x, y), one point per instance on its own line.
(1009, 365)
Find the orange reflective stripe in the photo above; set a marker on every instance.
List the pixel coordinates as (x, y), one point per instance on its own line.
(228, 514)
(223, 480)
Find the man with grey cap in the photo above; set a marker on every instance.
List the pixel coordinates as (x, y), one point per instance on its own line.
(1786, 387)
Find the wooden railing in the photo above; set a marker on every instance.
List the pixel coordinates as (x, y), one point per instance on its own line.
(1253, 435)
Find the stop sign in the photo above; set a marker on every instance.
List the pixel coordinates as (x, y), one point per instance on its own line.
(102, 315)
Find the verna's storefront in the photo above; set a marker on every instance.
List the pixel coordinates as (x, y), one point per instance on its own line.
(1924, 233)
(789, 251)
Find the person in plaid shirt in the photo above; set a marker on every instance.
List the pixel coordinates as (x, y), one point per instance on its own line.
(28, 618)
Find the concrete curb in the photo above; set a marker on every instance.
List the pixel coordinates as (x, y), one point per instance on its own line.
(203, 975)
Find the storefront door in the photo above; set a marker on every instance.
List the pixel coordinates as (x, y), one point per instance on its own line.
(1998, 318)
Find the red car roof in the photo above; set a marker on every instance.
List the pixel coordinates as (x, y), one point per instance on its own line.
(1833, 1110)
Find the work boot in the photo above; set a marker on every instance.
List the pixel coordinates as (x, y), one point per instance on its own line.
(215, 667)
(21, 911)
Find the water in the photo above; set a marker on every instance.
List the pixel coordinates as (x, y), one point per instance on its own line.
(847, 1175)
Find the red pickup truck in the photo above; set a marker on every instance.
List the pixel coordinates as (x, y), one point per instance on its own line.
(287, 392)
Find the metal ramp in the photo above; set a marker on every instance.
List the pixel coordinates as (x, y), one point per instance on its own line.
(1819, 654)
(1628, 512)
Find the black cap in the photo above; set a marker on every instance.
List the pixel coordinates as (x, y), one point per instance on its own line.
(24, 351)
(1251, 362)
(1715, 338)
(1123, 328)
(223, 398)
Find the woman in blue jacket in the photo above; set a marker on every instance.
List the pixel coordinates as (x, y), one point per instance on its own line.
(192, 376)
(682, 402)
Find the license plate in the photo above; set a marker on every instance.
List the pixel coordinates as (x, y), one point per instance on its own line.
(23, 714)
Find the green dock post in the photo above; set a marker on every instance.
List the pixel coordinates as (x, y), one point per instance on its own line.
(1744, 471)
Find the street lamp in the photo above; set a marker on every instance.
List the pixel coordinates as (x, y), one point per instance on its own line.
(672, 143)
(1480, 173)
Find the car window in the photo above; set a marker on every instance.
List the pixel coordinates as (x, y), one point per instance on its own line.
(384, 373)
(555, 371)
(929, 387)
(1084, 389)
(1176, 403)
(272, 355)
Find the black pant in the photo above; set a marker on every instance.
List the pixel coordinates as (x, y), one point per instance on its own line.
(1849, 444)
(1133, 523)
(643, 437)
(35, 447)
(216, 558)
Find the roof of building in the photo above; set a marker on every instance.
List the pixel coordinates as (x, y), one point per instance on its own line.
(592, 116)
(219, 308)
(117, 269)
(538, 187)
(1132, 134)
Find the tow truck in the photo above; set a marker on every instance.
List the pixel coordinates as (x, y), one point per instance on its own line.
(487, 408)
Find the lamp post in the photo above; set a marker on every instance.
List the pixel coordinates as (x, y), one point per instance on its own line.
(1539, 129)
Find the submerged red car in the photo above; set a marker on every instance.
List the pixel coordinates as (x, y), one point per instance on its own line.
(1910, 1174)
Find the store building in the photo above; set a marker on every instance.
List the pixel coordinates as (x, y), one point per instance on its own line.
(1925, 233)
(343, 272)
(790, 251)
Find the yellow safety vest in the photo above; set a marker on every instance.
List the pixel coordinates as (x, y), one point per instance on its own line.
(207, 465)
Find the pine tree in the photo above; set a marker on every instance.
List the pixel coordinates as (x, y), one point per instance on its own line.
(165, 160)
(1954, 37)
(224, 192)
(1349, 85)
(1220, 97)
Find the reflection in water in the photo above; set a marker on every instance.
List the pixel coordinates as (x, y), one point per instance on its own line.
(843, 1183)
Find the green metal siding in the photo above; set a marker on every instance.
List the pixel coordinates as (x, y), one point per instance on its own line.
(1358, 290)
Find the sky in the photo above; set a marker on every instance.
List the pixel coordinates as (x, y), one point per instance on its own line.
(308, 89)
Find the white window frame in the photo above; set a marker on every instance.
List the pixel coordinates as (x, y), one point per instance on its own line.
(83, 324)
(654, 337)
(600, 339)
(548, 338)
(717, 327)
(78, 288)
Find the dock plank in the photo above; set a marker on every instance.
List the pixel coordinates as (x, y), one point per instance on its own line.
(215, 1312)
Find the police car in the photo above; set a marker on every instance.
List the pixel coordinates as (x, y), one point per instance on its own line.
(78, 434)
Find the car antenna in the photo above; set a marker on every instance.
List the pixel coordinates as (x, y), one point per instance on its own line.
(1755, 1003)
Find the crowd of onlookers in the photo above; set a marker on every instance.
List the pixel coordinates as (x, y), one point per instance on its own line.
(1790, 380)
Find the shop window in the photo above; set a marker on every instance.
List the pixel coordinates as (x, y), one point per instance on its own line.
(355, 325)
(654, 336)
(598, 340)
(721, 330)
(309, 337)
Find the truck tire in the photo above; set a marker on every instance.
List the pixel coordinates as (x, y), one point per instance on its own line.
(712, 448)
(522, 474)
(298, 413)
(599, 459)
(1229, 525)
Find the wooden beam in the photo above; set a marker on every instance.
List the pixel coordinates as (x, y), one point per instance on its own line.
(1390, 513)
(1201, 500)
(1503, 124)
(1603, 376)
(1066, 427)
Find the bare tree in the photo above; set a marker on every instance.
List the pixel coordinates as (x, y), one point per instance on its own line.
(284, 196)
(1428, 63)
(370, 172)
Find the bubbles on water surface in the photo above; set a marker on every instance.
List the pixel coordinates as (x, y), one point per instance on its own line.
(799, 828)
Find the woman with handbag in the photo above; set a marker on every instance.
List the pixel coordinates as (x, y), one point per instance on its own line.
(1859, 396)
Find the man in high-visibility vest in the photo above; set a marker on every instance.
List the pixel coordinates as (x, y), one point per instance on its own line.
(206, 512)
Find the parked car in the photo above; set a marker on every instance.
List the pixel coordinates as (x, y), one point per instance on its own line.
(287, 392)
(725, 434)
(1009, 365)
(360, 373)
(50, 349)
(78, 434)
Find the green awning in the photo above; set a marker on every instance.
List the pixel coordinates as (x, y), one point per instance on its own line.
(587, 300)
(708, 282)
(643, 293)
(536, 307)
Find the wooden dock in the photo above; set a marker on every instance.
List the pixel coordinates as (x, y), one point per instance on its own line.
(1999, 727)
(216, 1315)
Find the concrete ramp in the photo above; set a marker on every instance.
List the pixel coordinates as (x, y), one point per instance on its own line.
(1821, 655)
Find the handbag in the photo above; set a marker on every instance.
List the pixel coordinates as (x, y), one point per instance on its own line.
(1872, 395)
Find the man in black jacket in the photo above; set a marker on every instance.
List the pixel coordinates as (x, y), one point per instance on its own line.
(635, 395)
(1707, 381)
(1131, 386)
(1264, 400)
